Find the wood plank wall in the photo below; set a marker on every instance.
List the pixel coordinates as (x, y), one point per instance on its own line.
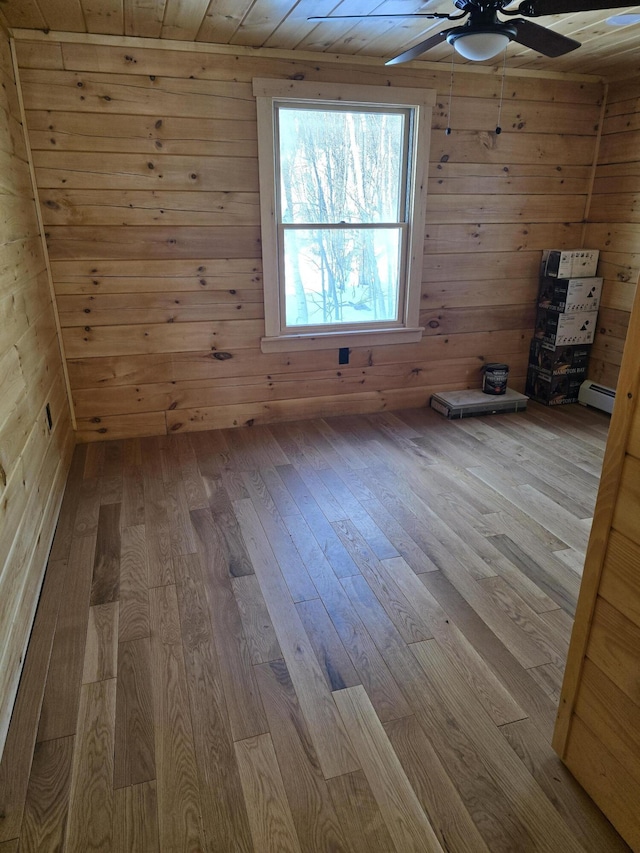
(147, 175)
(33, 459)
(597, 732)
(614, 225)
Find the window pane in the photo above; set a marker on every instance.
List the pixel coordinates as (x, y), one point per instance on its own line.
(340, 166)
(341, 275)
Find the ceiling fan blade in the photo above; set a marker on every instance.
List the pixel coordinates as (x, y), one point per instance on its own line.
(366, 17)
(545, 41)
(418, 49)
(535, 8)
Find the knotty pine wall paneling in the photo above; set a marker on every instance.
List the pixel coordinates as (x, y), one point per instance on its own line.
(597, 732)
(614, 225)
(33, 459)
(146, 164)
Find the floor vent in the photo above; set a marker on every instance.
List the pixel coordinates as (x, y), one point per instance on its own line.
(598, 396)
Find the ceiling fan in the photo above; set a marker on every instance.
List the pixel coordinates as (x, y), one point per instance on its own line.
(485, 35)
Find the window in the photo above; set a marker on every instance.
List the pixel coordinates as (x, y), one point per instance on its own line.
(342, 191)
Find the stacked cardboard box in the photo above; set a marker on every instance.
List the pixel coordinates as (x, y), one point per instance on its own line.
(568, 301)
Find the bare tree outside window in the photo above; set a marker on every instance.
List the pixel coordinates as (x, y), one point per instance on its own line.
(343, 181)
(342, 197)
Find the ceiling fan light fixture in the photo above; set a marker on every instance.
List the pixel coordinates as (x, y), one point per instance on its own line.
(478, 46)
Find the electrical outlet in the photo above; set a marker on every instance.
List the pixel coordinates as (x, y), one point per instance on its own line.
(343, 355)
(49, 418)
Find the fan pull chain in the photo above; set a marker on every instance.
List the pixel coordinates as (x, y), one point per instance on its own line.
(504, 68)
(448, 130)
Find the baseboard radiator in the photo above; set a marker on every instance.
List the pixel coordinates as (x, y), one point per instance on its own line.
(598, 396)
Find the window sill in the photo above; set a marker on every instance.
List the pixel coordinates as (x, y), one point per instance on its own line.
(329, 340)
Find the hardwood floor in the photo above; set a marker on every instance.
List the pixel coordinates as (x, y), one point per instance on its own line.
(330, 635)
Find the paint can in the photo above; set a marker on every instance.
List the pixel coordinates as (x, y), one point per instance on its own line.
(494, 378)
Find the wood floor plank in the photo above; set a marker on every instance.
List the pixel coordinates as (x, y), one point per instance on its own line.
(21, 737)
(313, 813)
(347, 451)
(477, 787)
(245, 455)
(62, 690)
(354, 510)
(532, 502)
(481, 536)
(105, 583)
(527, 800)
(295, 573)
(343, 565)
(132, 485)
(401, 811)
(112, 486)
(263, 435)
(133, 622)
(90, 821)
(101, 649)
(272, 826)
(257, 624)
(544, 632)
(461, 575)
(226, 523)
(327, 733)
(224, 817)
(293, 439)
(246, 714)
(407, 618)
(435, 790)
(400, 538)
(156, 519)
(136, 819)
(47, 804)
(238, 560)
(183, 539)
(94, 461)
(297, 439)
(410, 513)
(179, 811)
(193, 486)
(560, 626)
(517, 680)
(359, 814)
(330, 653)
(381, 687)
(539, 567)
(522, 647)
(233, 482)
(211, 450)
(86, 520)
(571, 558)
(279, 493)
(549, 678)
(134, 753)
(487, 687)
(540, 466)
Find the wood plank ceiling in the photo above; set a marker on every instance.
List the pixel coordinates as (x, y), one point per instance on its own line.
(607, 51)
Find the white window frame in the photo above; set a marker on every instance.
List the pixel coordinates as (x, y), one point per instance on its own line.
(269, 93)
